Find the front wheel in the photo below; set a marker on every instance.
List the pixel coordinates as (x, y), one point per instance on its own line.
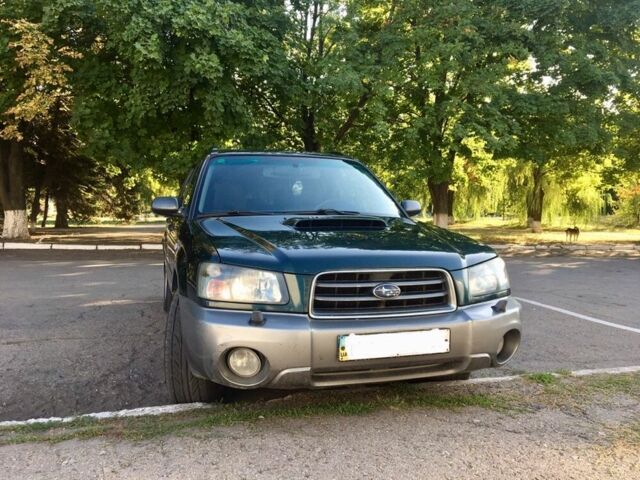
(184, 387)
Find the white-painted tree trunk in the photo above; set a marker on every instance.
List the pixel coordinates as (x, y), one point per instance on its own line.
(16, 224)
(441, 220)
(536, 226)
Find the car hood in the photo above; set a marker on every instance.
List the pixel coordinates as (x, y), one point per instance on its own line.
(273, 243)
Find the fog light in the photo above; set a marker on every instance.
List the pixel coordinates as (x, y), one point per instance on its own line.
(244, 362)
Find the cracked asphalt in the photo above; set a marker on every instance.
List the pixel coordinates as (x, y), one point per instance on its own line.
(82, 331)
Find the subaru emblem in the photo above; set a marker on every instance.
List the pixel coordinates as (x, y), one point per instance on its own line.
(386, 291)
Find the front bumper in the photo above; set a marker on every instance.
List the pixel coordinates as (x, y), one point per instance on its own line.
(301, 352)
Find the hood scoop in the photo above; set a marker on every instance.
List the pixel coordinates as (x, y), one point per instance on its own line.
(336, 224)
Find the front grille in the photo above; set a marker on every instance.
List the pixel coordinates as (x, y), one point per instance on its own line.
(350, 294)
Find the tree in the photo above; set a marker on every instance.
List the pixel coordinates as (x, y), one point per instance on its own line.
(547, 146)
(162, 82)
(627, 127)
(453, 65)
(71, 179)
(630, 200)
(581, 54)
(329, 74)
(439, 91)
(34, 85)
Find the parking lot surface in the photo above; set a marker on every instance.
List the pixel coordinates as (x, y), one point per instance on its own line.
(82, 331)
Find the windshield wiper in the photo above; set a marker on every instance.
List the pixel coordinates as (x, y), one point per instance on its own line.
(232, 213)
(241, 213)
(322, 211)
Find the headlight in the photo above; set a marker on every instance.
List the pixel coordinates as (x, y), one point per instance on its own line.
(488, 278)
(227, 283)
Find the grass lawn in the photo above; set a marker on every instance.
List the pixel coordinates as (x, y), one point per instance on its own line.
(496, 230)
(533, 392)
(487, 230)
(140, 220)
(101, 234)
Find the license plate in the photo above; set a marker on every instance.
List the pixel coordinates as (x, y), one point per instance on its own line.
(388, 345)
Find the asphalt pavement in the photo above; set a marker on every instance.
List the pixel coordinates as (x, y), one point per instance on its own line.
(82, 331)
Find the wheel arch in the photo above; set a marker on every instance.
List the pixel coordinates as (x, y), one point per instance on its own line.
(180, 272)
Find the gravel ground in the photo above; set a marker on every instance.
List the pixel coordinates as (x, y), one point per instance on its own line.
(421, 443)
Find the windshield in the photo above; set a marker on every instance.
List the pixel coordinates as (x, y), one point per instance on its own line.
(265, 184)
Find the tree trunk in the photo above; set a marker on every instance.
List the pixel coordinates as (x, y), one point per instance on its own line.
(535, 201)
(45, 211)
(35, 206)
(450, 199)
(440, 201)
(62, 212)
(309, 137)
(12, 190)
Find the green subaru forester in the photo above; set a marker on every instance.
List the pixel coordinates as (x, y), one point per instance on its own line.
(286, 270)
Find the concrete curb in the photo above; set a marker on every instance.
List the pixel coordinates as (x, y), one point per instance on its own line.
(131, 412)
(614, 249)
(185, 407)
(77, 246)
(508, 248)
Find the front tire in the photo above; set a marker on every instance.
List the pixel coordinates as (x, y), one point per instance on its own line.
(184, 387)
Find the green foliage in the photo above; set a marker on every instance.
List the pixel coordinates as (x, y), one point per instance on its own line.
(328, 78)
(43, 71)
(500, 188)
(629, 194)
(517, 107)
(129, 193)
(454, 64)
(161, 82)
(482, 184)
(581, 57)
(627, 130)
(543, 378)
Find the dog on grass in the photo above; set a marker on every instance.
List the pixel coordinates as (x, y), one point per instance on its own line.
(572, 234)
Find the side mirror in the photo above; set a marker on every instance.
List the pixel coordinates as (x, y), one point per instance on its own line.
(166, 206)
(412, 207)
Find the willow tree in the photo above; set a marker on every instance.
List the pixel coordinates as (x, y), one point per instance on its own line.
(557, 132)
(583, 54)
